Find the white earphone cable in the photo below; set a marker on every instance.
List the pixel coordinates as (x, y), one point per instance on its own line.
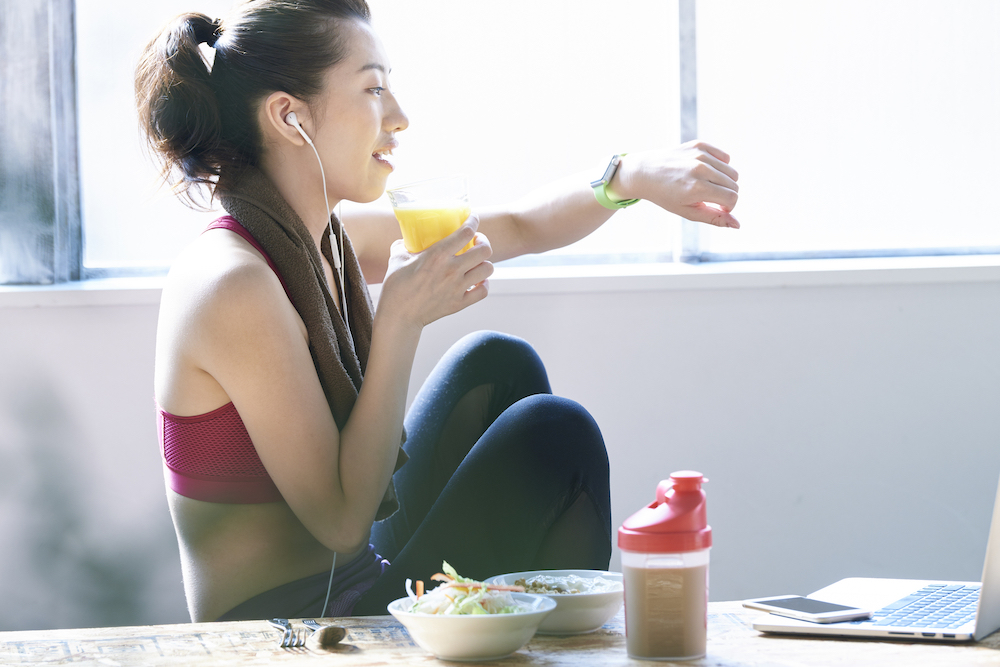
(338, 252)
(338, 263)
(329, 586)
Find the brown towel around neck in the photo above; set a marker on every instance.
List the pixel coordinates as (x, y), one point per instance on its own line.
(340, 356)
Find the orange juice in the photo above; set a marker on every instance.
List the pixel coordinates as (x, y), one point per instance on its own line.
(422, 227)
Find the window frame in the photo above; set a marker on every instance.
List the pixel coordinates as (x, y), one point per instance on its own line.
(55, 235)
(62, 262)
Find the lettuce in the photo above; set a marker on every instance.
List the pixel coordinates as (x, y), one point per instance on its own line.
(454, 601)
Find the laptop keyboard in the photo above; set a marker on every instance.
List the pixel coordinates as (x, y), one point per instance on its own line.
(934, 606)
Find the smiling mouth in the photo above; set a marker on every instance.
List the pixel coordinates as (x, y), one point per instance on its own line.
(383, 156)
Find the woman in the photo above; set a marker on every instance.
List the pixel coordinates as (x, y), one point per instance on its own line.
(281, 395)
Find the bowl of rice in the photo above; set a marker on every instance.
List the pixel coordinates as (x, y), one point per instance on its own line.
(585, 599)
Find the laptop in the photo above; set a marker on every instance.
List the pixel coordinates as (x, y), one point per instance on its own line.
(943, 611)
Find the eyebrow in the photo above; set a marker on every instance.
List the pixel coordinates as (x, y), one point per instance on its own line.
(374, 66)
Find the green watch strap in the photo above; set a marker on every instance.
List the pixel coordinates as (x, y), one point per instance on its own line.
(600, 188)
(607, 202)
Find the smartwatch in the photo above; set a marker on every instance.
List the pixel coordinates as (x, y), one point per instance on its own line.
(601, 184)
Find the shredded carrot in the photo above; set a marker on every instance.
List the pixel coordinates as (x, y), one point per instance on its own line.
(420, 588)
(451, 583)
(489, 587)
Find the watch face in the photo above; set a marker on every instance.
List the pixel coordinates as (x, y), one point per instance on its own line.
(609, 173)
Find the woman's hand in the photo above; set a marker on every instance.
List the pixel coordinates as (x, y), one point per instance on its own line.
(693, 180)
(426, 286)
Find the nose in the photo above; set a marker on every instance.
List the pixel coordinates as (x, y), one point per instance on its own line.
(395, 120)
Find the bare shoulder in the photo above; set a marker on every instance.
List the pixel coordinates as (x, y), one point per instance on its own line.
(220, 276)
(220, 303)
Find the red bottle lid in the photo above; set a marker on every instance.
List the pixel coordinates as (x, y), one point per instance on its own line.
(676, 522)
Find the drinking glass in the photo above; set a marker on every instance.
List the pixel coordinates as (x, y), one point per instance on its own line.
(430, 210)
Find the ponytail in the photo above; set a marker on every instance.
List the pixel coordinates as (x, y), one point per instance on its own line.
(202, 120)
(178, 111)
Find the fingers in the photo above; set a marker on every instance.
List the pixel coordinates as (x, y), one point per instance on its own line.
(715, 152)
(476, 293)
(708, 184)
(466, 270)
(714, 157)
(711, 215)
(474, 265)
(479, 273)
(398, 249)
(452, 246)
(440, 280)
(481, 239)
(719, 195)
(481, 249)
(454, 242)
(719, 188)
(721, 172)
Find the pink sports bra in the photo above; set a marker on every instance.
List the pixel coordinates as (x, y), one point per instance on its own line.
(210, 457)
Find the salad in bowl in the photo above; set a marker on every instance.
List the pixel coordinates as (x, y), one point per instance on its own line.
(465, 619)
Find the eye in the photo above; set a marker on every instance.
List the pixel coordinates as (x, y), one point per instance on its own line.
(377, 91)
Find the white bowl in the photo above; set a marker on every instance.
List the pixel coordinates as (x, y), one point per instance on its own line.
(474, 636)
(575, 613)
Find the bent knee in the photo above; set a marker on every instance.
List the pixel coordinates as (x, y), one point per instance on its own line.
(497, 345)
(560, 426)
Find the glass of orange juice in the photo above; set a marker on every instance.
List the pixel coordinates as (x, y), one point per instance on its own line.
(430, 210)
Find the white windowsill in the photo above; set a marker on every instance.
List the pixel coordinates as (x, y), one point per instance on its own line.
(599, 278)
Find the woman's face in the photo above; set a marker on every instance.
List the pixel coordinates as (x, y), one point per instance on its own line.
(357, 118)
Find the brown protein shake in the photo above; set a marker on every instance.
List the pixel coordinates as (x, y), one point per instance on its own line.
(665, 550)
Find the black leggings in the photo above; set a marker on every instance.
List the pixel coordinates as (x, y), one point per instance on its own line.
(502, 477)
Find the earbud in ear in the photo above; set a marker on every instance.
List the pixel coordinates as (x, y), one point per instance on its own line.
(293, 120)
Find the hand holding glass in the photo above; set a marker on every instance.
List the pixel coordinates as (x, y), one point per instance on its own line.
(430, 210)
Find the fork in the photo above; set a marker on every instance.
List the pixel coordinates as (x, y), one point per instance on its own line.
(297, 640)
(290, 638)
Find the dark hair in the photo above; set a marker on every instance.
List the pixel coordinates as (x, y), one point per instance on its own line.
(201, 120)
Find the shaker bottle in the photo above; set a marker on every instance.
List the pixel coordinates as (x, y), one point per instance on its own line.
(664, 550)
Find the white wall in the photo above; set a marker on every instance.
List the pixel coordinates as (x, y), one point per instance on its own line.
(838, 420)
(87, 540)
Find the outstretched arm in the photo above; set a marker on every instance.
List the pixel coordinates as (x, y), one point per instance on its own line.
(694, 181)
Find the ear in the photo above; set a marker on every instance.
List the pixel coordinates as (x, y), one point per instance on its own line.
(275, 109)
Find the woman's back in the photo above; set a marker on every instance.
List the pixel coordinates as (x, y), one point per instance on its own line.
(229, 551)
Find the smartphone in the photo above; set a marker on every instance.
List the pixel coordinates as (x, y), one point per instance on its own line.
(807, 609)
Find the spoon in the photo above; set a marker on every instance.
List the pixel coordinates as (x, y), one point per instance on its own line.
(325, 636)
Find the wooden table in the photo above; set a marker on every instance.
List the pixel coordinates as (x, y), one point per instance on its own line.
(380, 640)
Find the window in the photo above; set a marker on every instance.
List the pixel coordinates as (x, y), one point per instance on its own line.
(858, 128)
(521, 93)
(132, 222)
(545, 87)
